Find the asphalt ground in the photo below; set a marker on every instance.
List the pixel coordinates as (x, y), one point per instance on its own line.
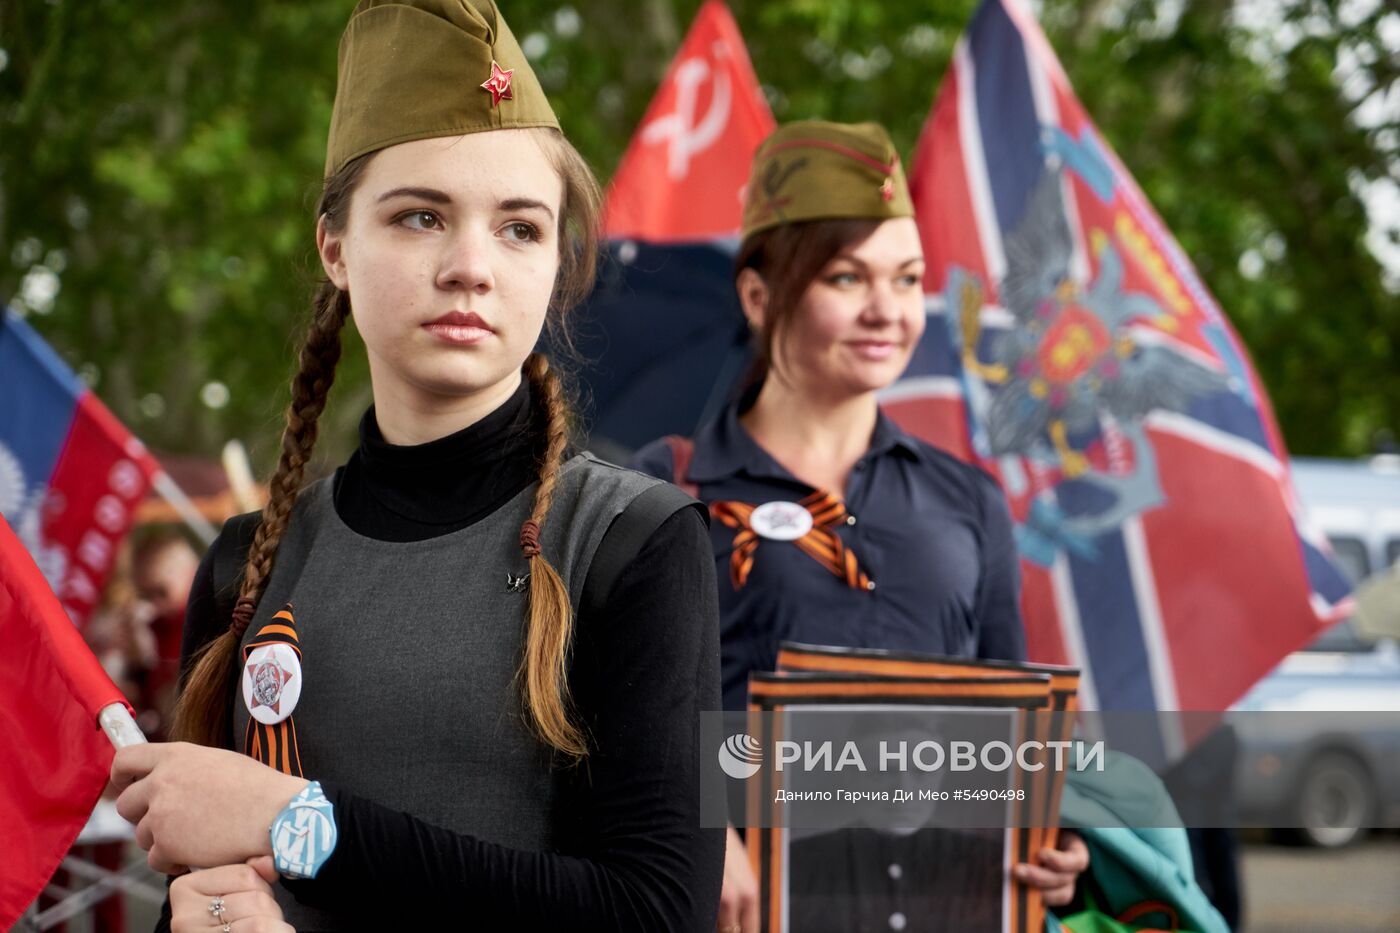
(1287, 889)
(1295, 890)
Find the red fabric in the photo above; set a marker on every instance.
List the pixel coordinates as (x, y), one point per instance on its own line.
(682, 450)
(102, 475)
(701, 131)
(53, 759)
(938, 185)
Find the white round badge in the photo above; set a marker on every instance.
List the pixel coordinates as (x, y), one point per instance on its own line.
(781, 521)
(271, 683)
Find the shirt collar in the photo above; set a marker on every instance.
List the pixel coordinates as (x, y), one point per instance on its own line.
(724, 448)
(889, 437)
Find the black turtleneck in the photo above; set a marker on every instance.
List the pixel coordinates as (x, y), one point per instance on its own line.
(635, 857)
(396, 493)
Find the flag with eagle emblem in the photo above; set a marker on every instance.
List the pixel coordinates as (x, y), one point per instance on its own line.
(1072, 350)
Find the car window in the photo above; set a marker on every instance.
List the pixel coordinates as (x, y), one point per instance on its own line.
(1340, 637)
(1351, 556)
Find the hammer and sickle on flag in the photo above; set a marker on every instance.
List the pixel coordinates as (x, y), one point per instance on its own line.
(686, 135)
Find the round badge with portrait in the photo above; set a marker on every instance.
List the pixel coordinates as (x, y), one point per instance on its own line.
(781, 521)
(271, 683)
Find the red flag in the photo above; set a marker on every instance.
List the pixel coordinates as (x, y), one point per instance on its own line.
(682, 177)
(1073, 351)
(663, 332)
(53, 757)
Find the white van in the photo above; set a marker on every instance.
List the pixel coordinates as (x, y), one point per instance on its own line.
(1357, 505)
(1341, 772)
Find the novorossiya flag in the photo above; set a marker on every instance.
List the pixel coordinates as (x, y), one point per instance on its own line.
(665, 314)
(1074, 352)
(71, 475)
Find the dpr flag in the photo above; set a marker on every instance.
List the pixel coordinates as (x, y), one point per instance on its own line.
(664, 314)
(71, 475)
(1073, 351)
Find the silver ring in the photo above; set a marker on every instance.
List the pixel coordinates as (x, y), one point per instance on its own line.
(216, 907)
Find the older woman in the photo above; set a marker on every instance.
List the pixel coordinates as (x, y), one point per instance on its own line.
(833, 526)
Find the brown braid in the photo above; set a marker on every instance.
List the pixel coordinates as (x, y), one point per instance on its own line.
(550, 631)
(201, 713)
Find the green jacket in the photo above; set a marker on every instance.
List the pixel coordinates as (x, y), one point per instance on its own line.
(1138, 850)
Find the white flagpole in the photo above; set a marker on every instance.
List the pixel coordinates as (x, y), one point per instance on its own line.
(240, 476)
(119, 726)
(173, 494)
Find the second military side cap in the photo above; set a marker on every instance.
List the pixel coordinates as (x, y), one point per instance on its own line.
(418, 69)
(817, 170)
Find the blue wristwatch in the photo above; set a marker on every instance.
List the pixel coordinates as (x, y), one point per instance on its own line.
(304, 833)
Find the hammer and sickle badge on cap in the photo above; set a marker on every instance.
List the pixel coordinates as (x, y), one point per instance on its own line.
(498, 84)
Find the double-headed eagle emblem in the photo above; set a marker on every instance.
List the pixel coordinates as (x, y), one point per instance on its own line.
(1073, 364)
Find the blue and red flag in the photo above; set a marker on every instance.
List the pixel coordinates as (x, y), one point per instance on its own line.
(71, 476)
(1073, 351)
(665, 314)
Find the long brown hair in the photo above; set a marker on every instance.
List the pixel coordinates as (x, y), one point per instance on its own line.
(201, 714)
(788, 258)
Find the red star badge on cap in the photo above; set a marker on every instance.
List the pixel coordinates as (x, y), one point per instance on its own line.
(499, 84)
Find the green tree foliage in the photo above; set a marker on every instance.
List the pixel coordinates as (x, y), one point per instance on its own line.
(159, 165)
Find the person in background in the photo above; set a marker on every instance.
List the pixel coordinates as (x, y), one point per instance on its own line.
(163, 567)
(830, 524)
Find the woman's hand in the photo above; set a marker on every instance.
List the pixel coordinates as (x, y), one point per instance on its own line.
(1058, 870)
(196, 806)
(244, 891)
(738, 899)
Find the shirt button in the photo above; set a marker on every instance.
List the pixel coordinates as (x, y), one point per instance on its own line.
(870, 585)
(897, 921)
(850, 519)
(896, 872)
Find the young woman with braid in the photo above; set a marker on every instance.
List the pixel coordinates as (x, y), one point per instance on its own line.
(459, 681)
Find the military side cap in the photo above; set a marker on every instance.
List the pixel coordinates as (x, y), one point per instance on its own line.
(816, 170)
(417, 69)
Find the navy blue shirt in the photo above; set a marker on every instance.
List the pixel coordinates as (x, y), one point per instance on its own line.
(932, 534)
